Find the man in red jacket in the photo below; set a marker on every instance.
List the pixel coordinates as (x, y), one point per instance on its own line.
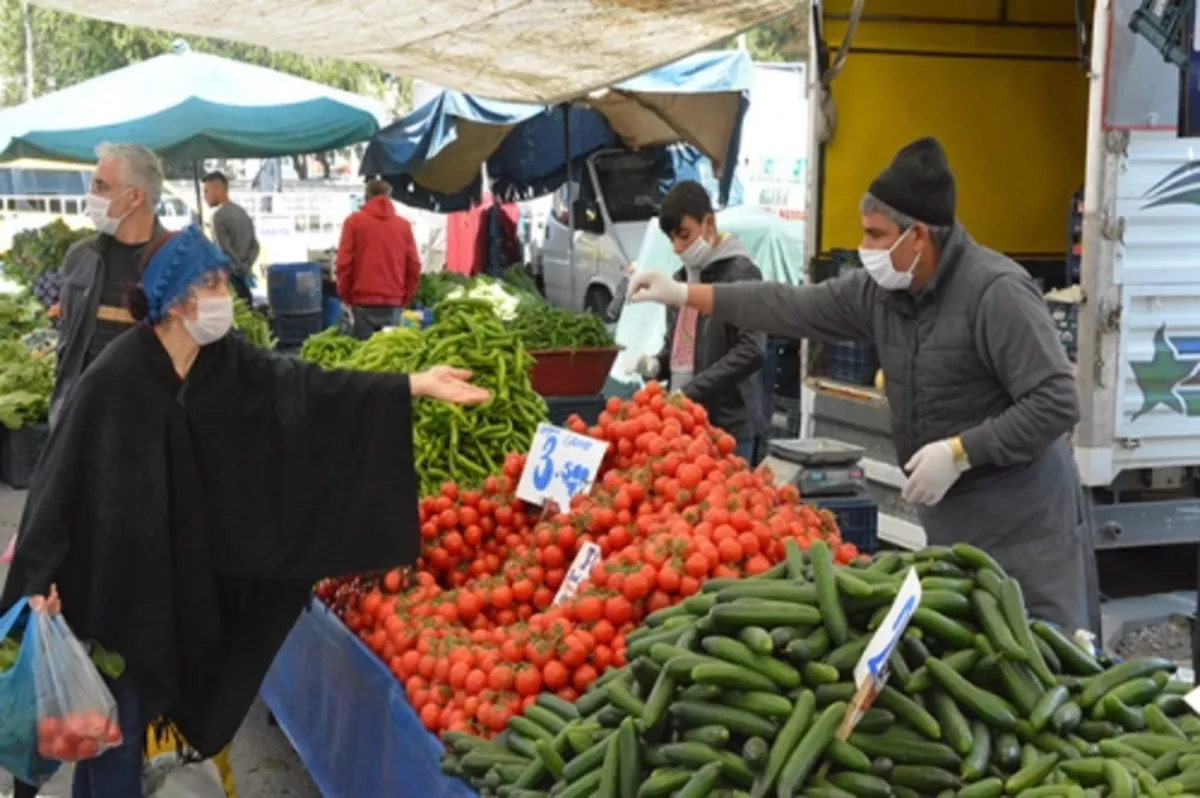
(378, 265)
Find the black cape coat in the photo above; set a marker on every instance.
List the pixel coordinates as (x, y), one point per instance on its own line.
(185, 522)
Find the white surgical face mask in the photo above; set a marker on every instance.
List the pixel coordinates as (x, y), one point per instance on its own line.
(96, 207)
(878, 263)
(696, 256)
(214, 318)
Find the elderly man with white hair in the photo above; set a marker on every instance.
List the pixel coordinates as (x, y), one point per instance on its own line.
(981, 394)
(99, 270)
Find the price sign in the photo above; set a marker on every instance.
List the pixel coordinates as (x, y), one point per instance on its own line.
(560, 465)
(581, 571)
(871, 672)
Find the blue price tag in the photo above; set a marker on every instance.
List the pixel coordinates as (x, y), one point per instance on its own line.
(561, 464)
(873, 663)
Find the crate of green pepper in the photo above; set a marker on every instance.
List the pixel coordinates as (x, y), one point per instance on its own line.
(573, 352)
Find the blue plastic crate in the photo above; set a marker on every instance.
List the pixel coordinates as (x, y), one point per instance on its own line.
(294, 289)
(853, 362)
(293, 330)
(857, 519)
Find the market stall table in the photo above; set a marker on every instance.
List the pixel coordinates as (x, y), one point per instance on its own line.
(347, 716)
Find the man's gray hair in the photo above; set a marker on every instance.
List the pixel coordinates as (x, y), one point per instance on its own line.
(871, 204)
(141, 169)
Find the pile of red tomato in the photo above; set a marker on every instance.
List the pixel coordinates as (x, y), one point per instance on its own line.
(478, 637)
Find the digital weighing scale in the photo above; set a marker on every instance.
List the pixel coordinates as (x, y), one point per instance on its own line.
(817, 466)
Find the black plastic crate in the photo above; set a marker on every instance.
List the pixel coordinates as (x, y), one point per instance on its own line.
(293, 330)
(562, 407)
(1066, 321)
(19, 453)
(857, 519)
(853, 362)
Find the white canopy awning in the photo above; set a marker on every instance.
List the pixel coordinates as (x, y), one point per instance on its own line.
(542, 51)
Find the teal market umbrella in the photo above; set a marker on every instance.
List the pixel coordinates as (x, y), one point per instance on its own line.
(189, 106)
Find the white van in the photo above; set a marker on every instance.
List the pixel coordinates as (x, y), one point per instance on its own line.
(34, 193)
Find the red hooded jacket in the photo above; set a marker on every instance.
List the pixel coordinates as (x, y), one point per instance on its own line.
(377, 261)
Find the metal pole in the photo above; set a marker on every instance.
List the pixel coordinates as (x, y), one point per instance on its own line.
(570, 198)
(199, 194)
(28, 24)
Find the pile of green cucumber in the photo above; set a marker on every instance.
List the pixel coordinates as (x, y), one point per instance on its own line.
(740, 690)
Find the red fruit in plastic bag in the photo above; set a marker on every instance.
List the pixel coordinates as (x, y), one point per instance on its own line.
(112, 733)
(93, 726)
(62, 749)
(48, 729)
(86, 749)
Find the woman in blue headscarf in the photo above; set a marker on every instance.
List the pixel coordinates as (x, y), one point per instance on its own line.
(192, 492)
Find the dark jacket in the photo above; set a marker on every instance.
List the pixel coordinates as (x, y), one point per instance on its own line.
(378, 264)
(82, 284)
(726, 378)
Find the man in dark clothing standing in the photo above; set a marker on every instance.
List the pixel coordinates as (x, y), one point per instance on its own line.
(981, 393)
(378, 266)
(234, 230)
(98, 271)
(710, 362)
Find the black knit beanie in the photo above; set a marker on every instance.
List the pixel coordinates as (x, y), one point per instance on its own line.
(918, 183)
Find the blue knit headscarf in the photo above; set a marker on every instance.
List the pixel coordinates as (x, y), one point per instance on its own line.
(179, 264)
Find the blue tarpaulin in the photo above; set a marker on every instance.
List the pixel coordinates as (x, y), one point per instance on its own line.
(433, 156)
(189, 106)
(348, 719)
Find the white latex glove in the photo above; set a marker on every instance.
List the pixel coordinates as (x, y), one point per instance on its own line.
(646, 367)
(650, 286)
(932, 471)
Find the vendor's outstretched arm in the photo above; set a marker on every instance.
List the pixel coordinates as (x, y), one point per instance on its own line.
(1018, 340)
(834, 310)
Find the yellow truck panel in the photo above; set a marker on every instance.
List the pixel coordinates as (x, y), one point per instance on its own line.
(1006, 98)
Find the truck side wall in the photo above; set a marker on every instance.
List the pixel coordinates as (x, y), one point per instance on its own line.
(1005, 96)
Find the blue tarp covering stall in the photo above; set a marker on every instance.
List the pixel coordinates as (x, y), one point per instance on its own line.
(348, 719)
(433, 157)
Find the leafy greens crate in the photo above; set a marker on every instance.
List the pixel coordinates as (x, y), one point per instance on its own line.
(19, 453)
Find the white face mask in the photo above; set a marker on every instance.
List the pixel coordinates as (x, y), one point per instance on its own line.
(214, 318)
(878, 263)
(696, 256)
(96, 208)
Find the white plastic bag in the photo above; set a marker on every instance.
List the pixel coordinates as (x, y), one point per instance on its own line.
(175, 780)
(77, 716)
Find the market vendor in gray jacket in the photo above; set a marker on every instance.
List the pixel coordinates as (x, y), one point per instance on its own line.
(981, 392)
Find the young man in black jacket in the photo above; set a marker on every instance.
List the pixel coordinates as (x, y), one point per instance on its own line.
(711, 363)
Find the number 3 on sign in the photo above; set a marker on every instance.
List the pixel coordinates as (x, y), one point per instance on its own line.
(560, 465)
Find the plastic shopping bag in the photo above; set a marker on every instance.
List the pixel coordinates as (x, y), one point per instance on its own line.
(178, 780)
(162, 755)
(18, 699)
(76, 713)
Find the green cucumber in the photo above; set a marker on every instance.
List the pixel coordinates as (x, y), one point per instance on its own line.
(961, 661)
(1032, 775)
(1120, 782)
(949, 631)
(830, 606)
(905, 752)
(654, 711)
(755, 753)
(988, 788)
(909, 711)
(771, 705)
(984, 705)
(790, 592)
(974, 764)
(786, 742)
(1012, 606)
(977, 558)
(987, 610)
(811, 746)
(955, 729)
(629, 759)
(564, 709)
(714, 734)
(588, 761)
(1066, 718)
(1021, 686)
(702, 782)
(946, 602)
(845, 657)
(757, 639)
(738, 653)
(1159, 723)
(1074, 659)
(1047, 705)
(1006, 751)
(663, 782)
(863, 785)
(846, 756)
(726, 674)
(757, 612)
(924, 779)
(737, 721)
(816, 673)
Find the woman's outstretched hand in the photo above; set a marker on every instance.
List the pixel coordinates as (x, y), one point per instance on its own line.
(449, 385)
(51, 604)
